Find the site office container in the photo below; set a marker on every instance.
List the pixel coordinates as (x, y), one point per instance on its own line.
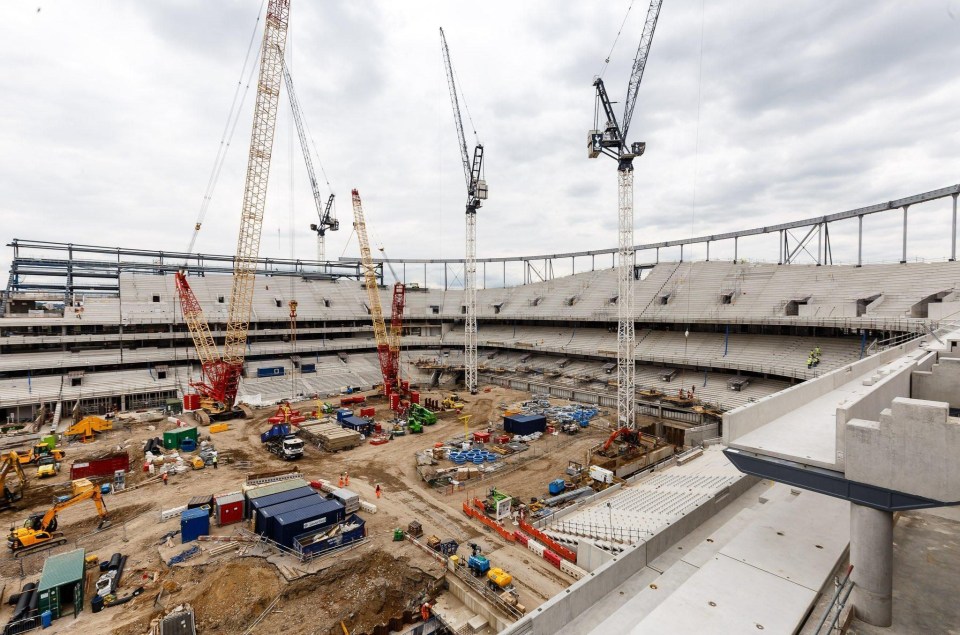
(173, 438)
(263, 519)
(348, 498)
(291, 524)
(100, 467)
(316, 542)
(194, 523)
(271, 488)
(360, 425)
(228, 508)
(258, 504)
(524, 424)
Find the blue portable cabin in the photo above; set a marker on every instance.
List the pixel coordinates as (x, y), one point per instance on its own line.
(359, 424)
(524, 424)
(339, 535)
(279, 497)
(194, 523)
(263, 517)
(314, 518)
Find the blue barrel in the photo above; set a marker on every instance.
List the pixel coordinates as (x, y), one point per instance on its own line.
(96, 604)
(188, 445)
(46, 618)
(478, 459)
(105, 488)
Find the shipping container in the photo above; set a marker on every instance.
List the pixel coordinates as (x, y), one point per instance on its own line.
(264, 518)
(280, 497)
(343, 413)
(316, 543)
(100, 467)
(172, 439)
(360, 425)
(287, 526)
(191, 402)
(272, 371)
(349, 499)
(368, 412)
(205, 501)
(271, 488)
(194, 523)
(524, 424)
(228, 508)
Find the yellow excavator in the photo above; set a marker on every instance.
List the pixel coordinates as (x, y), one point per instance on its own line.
(87, 428)
(11, 463)
(39, 531)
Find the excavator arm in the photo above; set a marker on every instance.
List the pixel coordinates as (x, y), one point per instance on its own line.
(86, 494)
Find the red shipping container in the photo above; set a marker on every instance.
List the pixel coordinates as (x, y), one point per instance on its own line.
(100, 467)
(368, 412)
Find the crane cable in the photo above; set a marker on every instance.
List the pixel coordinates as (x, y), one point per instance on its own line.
(233, 117)
(606, 62)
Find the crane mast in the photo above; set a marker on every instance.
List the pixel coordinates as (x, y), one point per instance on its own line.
(387, 367)
(611, 140)
(327, 221)
(476, 194)
(221, 375)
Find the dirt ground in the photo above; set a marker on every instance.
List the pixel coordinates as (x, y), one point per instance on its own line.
(363, 587)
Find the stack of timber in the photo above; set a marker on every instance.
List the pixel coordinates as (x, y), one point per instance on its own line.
(330, 436)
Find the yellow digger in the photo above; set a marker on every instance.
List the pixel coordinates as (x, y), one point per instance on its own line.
(11, 463)
(87, 428)
(37, 452)
(40, 530)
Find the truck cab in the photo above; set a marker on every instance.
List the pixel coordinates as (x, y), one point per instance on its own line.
(292, 447)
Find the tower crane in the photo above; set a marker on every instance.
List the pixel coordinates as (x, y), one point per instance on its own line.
(476, 194)
(611, 140)
(220, 376)
(388, 347)
(328, 220)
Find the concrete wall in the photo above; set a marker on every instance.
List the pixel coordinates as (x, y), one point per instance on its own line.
(562, 608)
(940, 383)
(943, 310)
(479, 606)
(885, 389)
(832, 310)
(913, 448)
(745, 419)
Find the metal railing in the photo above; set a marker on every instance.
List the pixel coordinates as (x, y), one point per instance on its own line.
(840, 596)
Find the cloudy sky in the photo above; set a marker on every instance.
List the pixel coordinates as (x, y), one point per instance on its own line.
(112, 114)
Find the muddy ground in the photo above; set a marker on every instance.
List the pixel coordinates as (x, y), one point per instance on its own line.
(362, 588)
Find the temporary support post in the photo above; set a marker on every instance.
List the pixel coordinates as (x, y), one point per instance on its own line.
(726, 340)
(708, 251)
(658, 255)
(681, 253)
(820, 252)
(863, 342)
(903, 259)
(504, 274)
(953, 234)
(445, 276)
(860, 241)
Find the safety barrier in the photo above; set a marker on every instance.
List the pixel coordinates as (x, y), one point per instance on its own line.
(562, 551)
(572, 569)
(497, 527)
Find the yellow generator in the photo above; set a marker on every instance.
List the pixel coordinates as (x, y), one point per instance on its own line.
(499, 579)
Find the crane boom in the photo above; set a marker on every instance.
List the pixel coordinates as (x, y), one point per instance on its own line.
(221, 374)
(255, 190)
(323, 212)
(373, 293)
(640, 63)
(452, 85)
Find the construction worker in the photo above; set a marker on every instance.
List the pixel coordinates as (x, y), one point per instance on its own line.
(817, 352)
(214, 461)
(378, 490)
(810, 361)
(164, 478)
(340, 480)
(346, 478)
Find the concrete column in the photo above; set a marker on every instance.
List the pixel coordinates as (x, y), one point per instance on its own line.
(871, 554)
(735, 245)
(708, 251)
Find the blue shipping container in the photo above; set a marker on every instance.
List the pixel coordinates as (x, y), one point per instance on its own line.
(266, 523)
(359, 424)
(343, 413)
(194, 523)
(287, 526)
(308, 368)
(273, 371)
(317, 542)
(279, 497)
(524, 424)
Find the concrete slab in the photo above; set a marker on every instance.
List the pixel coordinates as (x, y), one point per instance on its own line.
(808, 432)
(728, 596)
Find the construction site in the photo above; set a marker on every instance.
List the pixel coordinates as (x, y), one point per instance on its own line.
(197, 443)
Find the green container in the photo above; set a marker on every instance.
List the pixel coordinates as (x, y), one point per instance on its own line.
(174, 406)
(50, 441)
(173, 438)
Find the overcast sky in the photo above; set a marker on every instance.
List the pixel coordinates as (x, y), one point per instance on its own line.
(112, 112)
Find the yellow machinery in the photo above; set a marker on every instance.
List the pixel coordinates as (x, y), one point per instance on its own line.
(197, 463)
(37, 452)
(11, 463)
(452, 403)
(47, 466)
(499, 577)
(39, 531)
(87, 427)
